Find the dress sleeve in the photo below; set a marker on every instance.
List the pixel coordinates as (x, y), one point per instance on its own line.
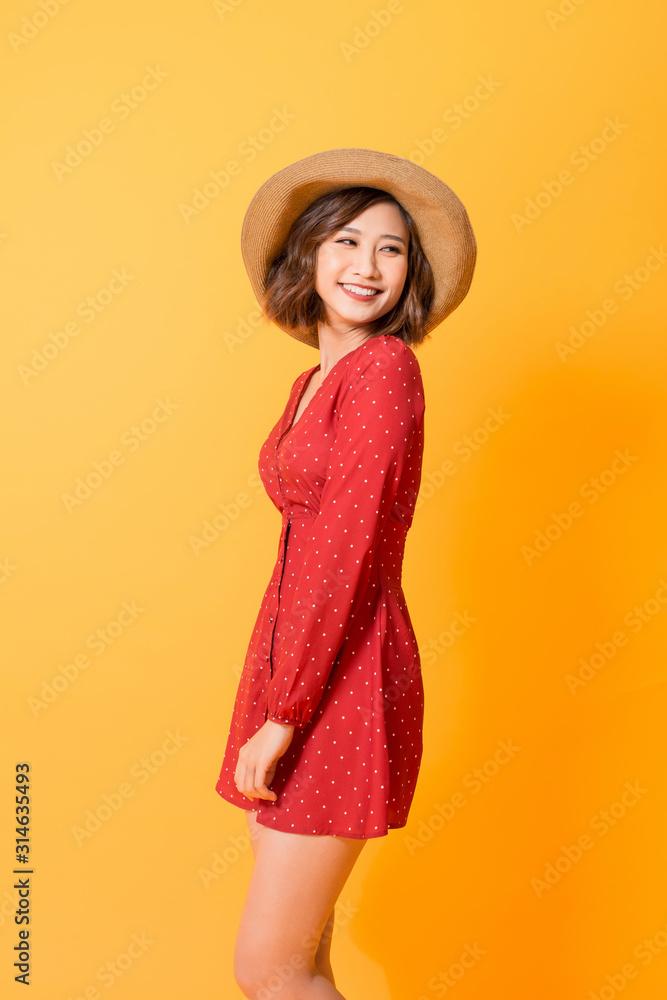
(379, 416)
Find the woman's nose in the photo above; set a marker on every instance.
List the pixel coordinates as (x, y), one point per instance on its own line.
(366, 263)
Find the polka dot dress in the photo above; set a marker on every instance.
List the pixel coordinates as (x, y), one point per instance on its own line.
(333, 651)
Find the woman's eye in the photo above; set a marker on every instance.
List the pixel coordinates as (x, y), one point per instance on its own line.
(349, 240)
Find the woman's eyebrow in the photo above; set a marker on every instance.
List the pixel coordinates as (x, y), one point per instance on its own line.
(385, 236)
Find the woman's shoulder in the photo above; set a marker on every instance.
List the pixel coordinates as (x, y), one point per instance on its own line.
(385, 376)
(386, 353)
(390, 344)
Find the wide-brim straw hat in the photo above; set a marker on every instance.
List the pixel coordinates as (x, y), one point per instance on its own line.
(442, 222)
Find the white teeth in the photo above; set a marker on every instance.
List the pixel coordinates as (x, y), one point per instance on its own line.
(361, 291)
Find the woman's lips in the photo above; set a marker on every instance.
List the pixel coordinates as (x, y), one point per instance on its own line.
(359, 297)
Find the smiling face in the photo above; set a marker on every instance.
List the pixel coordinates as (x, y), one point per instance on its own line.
(362, 267)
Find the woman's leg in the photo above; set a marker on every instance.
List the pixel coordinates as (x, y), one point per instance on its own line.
(323, 955)
(254, 830)
(295, 882)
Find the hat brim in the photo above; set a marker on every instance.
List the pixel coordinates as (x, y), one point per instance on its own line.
(442, 222)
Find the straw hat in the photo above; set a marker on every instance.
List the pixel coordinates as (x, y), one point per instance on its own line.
(442, 222)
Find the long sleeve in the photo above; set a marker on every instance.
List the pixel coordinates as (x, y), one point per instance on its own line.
(381, 410)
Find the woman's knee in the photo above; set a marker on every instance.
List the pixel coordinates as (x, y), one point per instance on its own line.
(261, 977)
(324, 943)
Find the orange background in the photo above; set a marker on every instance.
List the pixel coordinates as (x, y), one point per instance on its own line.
(536, 569)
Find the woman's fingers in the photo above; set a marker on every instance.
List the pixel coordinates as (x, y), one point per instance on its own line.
(240, 775)
(245, 778)
(250, 779)
(259, 786)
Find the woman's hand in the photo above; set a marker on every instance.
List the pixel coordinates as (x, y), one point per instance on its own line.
(258, 759)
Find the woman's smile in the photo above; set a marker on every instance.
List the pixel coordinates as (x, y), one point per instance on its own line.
(360, 292)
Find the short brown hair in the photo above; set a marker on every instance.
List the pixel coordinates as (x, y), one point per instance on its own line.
(290, 298)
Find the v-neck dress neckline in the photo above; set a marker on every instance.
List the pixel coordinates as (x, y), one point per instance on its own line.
(299, 396)
(308, 375)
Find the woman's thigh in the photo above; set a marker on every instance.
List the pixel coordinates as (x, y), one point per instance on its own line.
(295, 882)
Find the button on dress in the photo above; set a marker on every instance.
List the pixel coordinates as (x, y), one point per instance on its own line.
(333, 651)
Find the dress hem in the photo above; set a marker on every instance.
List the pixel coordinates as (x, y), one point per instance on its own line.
(317, 833)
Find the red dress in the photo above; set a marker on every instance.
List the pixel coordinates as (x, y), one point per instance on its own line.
(333, 651)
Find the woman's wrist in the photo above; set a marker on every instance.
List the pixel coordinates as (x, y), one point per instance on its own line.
(279, 722)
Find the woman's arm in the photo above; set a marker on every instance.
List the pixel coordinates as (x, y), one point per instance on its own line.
(380, 413)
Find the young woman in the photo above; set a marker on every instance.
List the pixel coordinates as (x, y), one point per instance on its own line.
(359, 254)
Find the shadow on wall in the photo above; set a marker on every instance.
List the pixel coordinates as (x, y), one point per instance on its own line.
(490, 885)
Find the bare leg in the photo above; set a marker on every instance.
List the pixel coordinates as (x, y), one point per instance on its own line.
(323, 954)
(254, 830)
(295, 882)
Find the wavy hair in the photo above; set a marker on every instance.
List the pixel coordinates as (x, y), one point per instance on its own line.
(290, 298)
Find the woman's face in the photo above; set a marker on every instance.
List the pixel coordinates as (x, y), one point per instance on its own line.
(362, 267)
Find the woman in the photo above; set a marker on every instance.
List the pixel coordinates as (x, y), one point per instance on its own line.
(360, 254)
